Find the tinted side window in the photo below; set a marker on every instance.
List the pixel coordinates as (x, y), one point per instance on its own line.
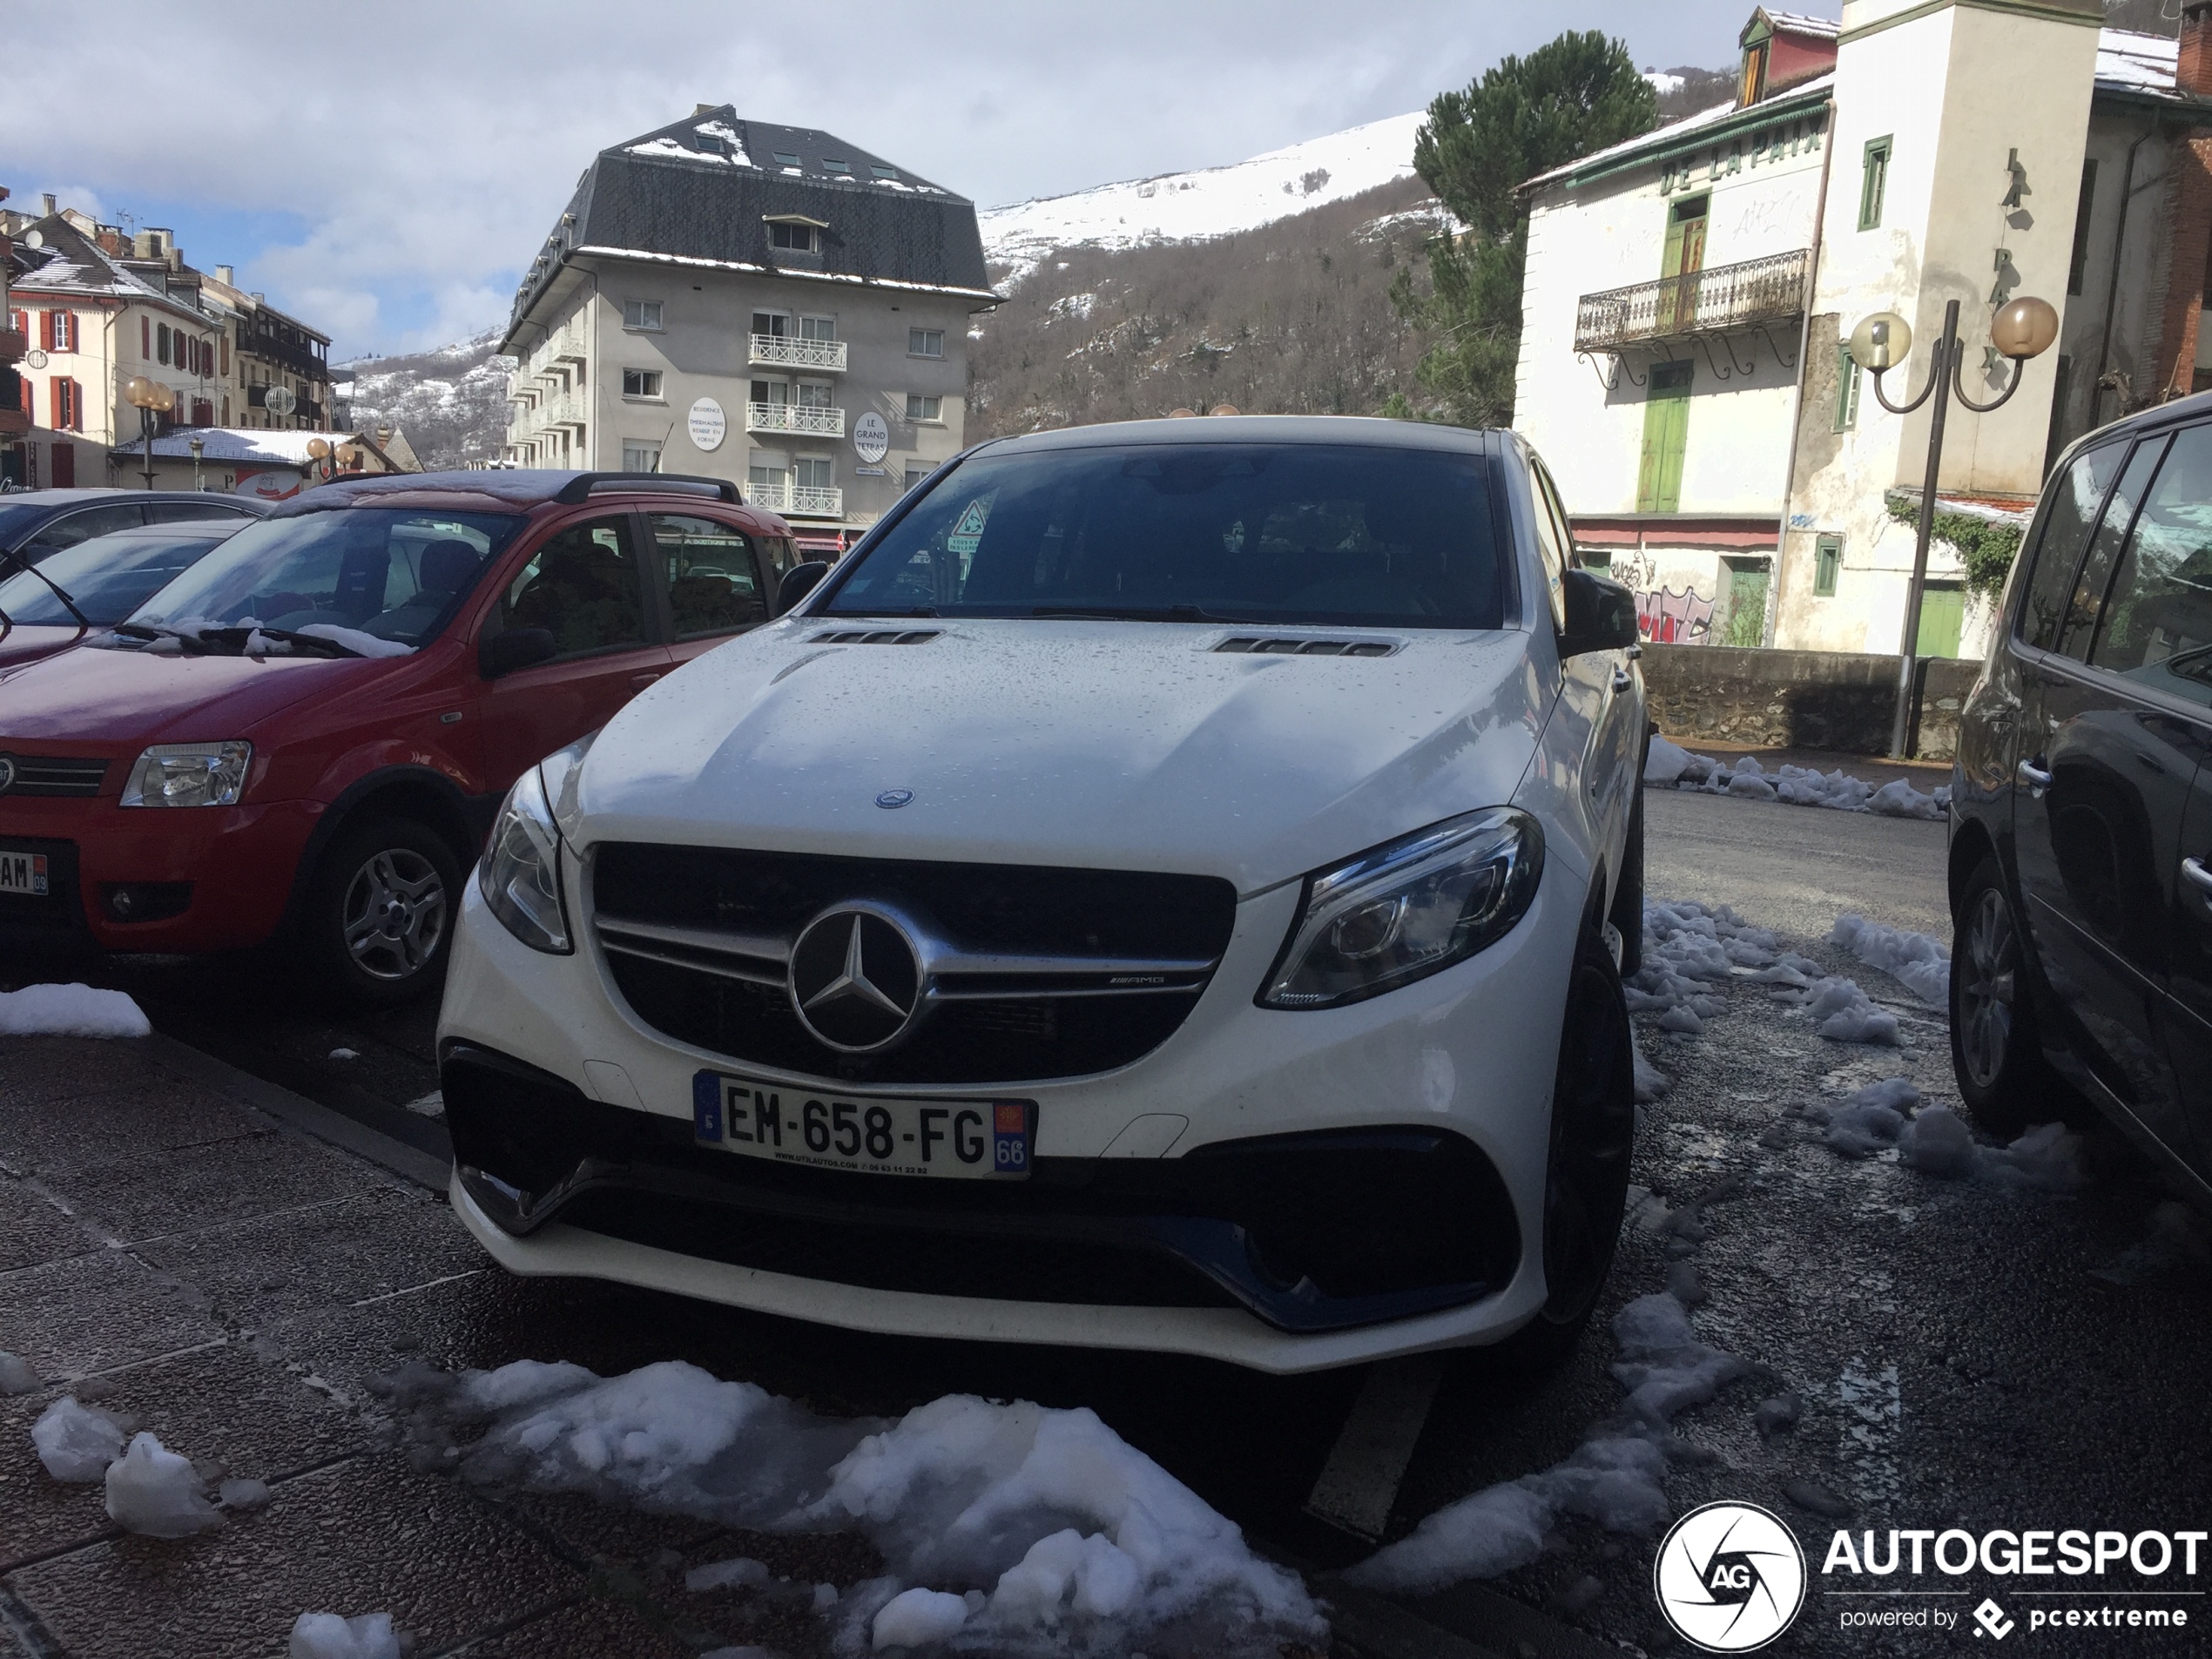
(713, 585)
(2104, 547)
(2070, 511)
(1551, 540)
(2157, 627)
(179, 512)
(582, 587)
(72, 528)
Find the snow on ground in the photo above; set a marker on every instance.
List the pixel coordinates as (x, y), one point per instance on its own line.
(1614, 1478)
(16, 1375)
(333, 1636)
(1044, 1529)
(1214, 201)
(1669, 765)
(75, 1442)
(153, 1491)
(69, 1011)
(1922, 965)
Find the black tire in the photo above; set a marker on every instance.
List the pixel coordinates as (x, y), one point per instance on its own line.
(382, 911)
(1996, 1054)
(1586, 1181)
(1628, 893)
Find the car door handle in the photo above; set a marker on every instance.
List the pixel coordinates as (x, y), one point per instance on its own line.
(2199, 877)
(1622, 679)
(641, 681)
(2034, 777)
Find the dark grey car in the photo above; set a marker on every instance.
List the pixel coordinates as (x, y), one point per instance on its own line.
(37, 523)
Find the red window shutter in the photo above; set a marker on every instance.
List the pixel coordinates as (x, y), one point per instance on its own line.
(55, 397)
(46, 331)
(69, 321)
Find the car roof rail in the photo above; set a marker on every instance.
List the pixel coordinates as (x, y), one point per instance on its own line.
(587, 484)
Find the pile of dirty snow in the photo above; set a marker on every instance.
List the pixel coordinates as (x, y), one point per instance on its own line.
(332, 1636)
(1012, 1527)
(1846, 1013)
(1919, 963)
(1614, 1478)
(150, 1488)
(1669, 765)
(1936, 1141)
(69, 1011)
(1689, 950)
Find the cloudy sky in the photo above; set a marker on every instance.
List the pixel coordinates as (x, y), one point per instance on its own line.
(385, 173)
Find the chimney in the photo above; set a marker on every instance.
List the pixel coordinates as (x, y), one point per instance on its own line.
(2192, 72)
(110, 240)
(48, 206)
(142, 246)
(697, 110)
(223, 274)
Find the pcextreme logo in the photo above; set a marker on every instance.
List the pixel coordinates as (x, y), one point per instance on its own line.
(1729, 1577)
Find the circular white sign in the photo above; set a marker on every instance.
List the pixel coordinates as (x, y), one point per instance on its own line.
(1729, 1577)
(706, 424)
(279, 401)
(871, 437)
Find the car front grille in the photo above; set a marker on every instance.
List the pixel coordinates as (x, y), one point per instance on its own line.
(1054, 973)
(53, 775)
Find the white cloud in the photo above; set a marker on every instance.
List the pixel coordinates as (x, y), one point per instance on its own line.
(430, 153)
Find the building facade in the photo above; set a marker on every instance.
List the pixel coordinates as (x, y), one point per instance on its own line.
(767, 304)
(1688, 295)
(97, 307)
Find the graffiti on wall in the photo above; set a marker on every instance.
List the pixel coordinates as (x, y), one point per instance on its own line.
(1669, 618)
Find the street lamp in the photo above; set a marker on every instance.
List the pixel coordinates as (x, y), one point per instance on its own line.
(198, 445)
(2022, 329)
(319, 452)
(151, 400)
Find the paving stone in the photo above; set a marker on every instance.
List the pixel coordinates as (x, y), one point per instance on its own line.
(220, 1405)
(150, 1194)
(94, 1312)
(365, 1536)
(379, 1241)
(34, 1228)
(41, 1070)
(587, 1629)
(126, 1121)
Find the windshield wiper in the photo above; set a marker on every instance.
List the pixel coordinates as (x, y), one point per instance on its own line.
(1141, 613)
(60, 592)
(199, 641)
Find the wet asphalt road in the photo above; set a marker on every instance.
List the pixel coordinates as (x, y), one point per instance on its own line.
(1967, 1354)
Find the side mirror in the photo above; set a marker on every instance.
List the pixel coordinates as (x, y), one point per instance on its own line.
(513, 648)
(799, 580)
(1600, 616)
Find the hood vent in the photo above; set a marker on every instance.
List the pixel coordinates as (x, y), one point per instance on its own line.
(876, 637)
(1263, 645)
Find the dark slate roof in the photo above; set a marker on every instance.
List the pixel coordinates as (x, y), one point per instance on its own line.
(704, 187)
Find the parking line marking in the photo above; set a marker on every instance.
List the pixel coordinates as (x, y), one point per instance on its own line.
(1358, 1484)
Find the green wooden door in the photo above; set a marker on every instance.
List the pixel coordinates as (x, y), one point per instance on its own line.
(1943, 620)
(1682, 258)
(1747, 584)
(1666, 438)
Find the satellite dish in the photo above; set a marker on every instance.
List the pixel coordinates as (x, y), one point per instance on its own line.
(279, 401)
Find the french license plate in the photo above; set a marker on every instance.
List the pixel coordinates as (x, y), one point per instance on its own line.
(23, 871)
(878, 1133)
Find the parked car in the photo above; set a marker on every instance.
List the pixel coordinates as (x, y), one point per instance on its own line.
(2081, 817)
(1153, 893)
(303, 736)
(35, 524)
(57, 603)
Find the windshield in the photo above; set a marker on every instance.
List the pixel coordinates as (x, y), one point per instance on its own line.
(108, 576)
(1335, 535)
(392, 575)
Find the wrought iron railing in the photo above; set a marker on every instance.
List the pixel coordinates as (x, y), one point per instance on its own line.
(811, 418)
(1704, 302)
(787, 351)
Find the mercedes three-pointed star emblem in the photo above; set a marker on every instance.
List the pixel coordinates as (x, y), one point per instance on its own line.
(856, 979)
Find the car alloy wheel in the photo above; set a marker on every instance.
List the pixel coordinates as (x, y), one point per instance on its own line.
(395, 914)
(1988, 970)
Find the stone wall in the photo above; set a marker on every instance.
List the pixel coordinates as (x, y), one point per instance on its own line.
(1800, 699)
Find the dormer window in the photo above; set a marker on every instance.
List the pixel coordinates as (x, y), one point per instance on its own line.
(796, 233)
(785, 158)
(891, 173)
(837, 164)
(710, 143)
(1754, 84)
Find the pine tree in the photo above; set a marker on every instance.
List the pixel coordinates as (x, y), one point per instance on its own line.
(1580, 93)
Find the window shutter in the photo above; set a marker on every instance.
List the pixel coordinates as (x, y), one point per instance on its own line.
(76, 406)
(46, 331)
(70, 319)
(145, 335)
(55, 397)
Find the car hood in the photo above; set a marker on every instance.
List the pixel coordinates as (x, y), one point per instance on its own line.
(99, 696)
(1131, 746)
(23, 644)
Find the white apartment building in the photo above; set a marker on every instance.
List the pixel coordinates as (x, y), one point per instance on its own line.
(767, 304)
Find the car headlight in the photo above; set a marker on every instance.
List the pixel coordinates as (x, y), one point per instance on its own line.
(189, 774)
(1408, 909)
(521, 870)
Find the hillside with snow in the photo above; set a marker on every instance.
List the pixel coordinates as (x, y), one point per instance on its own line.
(1213, 201)
(450, 403)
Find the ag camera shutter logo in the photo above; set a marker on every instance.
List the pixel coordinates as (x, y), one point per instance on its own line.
(1729, 1577)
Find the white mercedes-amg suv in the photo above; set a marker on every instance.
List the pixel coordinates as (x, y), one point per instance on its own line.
(1166, 888)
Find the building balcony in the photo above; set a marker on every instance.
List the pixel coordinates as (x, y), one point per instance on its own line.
(797, 500)
(554, 409)
(814, 420)
(13, 423)
(14, 343)
(785, 351)
(1717, 300)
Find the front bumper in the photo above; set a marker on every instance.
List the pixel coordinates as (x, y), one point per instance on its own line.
(1350, 1183)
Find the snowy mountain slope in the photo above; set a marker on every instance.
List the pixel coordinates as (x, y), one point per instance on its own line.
(451, 402)
(1213, 201)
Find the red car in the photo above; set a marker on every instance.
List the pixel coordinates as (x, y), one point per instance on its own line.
(304, 735)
